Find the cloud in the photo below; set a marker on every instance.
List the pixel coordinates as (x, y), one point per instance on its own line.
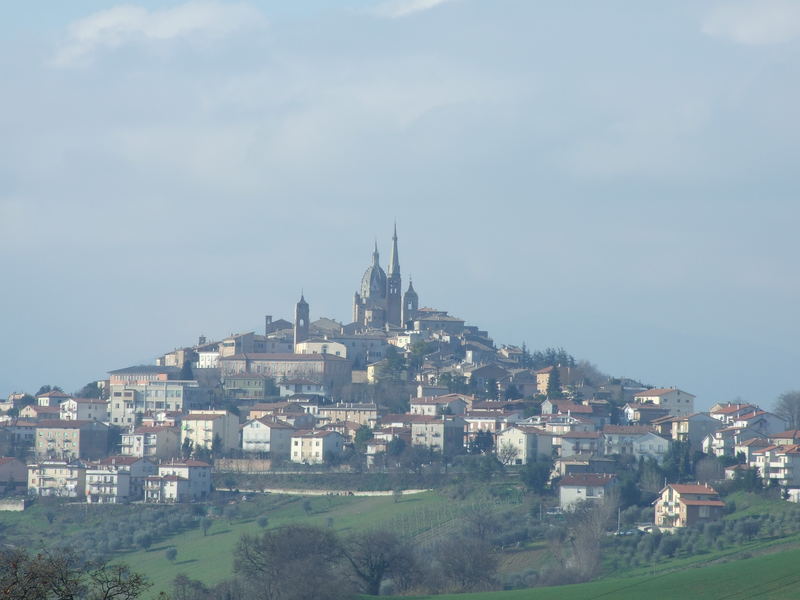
(128, 24)
(755, 22)
(395, 9)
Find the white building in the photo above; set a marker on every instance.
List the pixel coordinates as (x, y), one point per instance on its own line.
(202, 427)
(84, 409)
(530, 443)
(179, 482)
(634, 440)
(57, 478)
(107, 485)
(267, 435)
(291, 387)
(321, 346)
(584, 487)
(677, 402)
(151, 442)
(313, 446)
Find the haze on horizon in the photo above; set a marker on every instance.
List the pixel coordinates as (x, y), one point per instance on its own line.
(614, 178)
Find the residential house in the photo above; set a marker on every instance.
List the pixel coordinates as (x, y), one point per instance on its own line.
(315, 446)
(61, 478)
(131, 397)
(641, 413)
(581, 442)
(779, 464)
(634, 440)
(148, 441)
(321, 346)
(786, 438)
(684, 505)
(747, 447)
(724, 441)
(248, 387)
(443, 433)
(184, 481)
(451, 404)
(138, 468)
(204, 427)
(107, 484)
(677, 402)
(267, 435)
(52, 398)
(531, 443)
(584, 487)
(761, 421)
(488, 421)
(691, 428)
(361, 413)
(84, 409)
(299, 385)
(37, 412)
(68, 440)
(728, 412)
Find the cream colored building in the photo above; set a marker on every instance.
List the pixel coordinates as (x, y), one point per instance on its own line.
(363, 414)
(530, 442)
(203, 426)
(107, 485)
(682, 505)
(677, 402)
(313, 446)
(57, 478)
(321, 346)
(151, 442)
(184, 481)
(84, 409)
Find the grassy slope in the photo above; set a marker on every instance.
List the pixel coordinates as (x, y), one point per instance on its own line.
(210, 558)
(769, 577)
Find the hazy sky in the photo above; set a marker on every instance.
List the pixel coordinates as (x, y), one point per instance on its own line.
(618, 178)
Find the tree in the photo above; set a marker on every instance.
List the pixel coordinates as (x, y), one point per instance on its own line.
(144, 540)
(507, 453)
(186, 371)
(482, 443)
(467, 564)
(206, 524)
(307, 508)
(171, 554)
(263, 522)
(186, 448)
(216, 445)
(63, 574)
(293, 562)
(48, 388)
(363, 435)
(554, 384)
(90, 390)
(536, 475)
(788, 407)
(376, 556)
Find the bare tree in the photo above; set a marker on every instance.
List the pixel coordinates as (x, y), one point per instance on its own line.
(376, 556)
(467, 564)
(292, 563)
(787, 406)
(507, 453)
(708, 469)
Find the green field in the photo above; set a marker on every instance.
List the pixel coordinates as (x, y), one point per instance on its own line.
(768, 577)
(210, 558)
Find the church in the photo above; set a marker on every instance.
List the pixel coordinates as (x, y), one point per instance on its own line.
(378, 303)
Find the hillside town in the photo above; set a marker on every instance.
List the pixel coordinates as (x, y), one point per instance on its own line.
(400, 387)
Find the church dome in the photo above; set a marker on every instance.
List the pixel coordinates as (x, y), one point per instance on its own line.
(373, 284)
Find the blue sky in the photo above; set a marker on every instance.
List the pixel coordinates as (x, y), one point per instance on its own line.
(611, 177)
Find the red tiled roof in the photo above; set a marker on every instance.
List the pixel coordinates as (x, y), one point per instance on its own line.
(587, 479)
(733, 408)
(627, 429)
(52, 394)
(588, 435)
(719, 503)
(186, 463)
(655, 392)
(790, 434)
(119, 460)
(692, 488)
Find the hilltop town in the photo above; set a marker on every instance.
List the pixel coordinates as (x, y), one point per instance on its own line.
(401, 389)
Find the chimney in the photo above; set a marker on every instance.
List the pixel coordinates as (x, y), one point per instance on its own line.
(201, 341)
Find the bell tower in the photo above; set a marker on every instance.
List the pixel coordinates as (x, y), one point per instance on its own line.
(410, 304)
(300, 321)
(394, 286)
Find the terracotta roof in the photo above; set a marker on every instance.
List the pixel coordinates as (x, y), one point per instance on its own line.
(627, 429)
(655, 392)
(172, 478)
(435, 400)
(7, 459)
(65, 424)
(719, 503)
(119, 460)
(284, 357)
(587, 479)
(191, 417)
(754, 442)
(588, 435)
(186, 463)
(693, 488)
(733, 408)
(312, 433)
(88, 400)
(274, 424)
(790, 434)
(753, 415)
(53, 394)
(529, 429)
(565, 406)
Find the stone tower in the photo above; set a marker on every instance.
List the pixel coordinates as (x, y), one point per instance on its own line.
(300, 321)
(410, 304)
(394, 286)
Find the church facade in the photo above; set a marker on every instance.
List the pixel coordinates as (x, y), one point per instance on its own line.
(379, 303)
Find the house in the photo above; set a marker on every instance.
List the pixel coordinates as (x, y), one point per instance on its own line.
(361, 413)
(723, 441)
(107, 484)
(57, 478)
(185, 481)
(443, 433)
(13, 473)
(677, 402)
(151, 441)
(640, 413)
(321, 346)
(581, 442)
(83, 409)
(779, 464)
(333, 372)
(584, 487)
(728, 413)
(249, 387)
(530, 443)
(451, 404)
(52, 398)
(488, 421)
(68, 440)
(138, 468)
(691, 429)
(786, 438)
(634, 440)
(36, 411)
(315, 446)
(761, 421)
(267, 435)
(204, 427)
(569, 465)
(300, 385)
(747, 447)
(684, 505)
